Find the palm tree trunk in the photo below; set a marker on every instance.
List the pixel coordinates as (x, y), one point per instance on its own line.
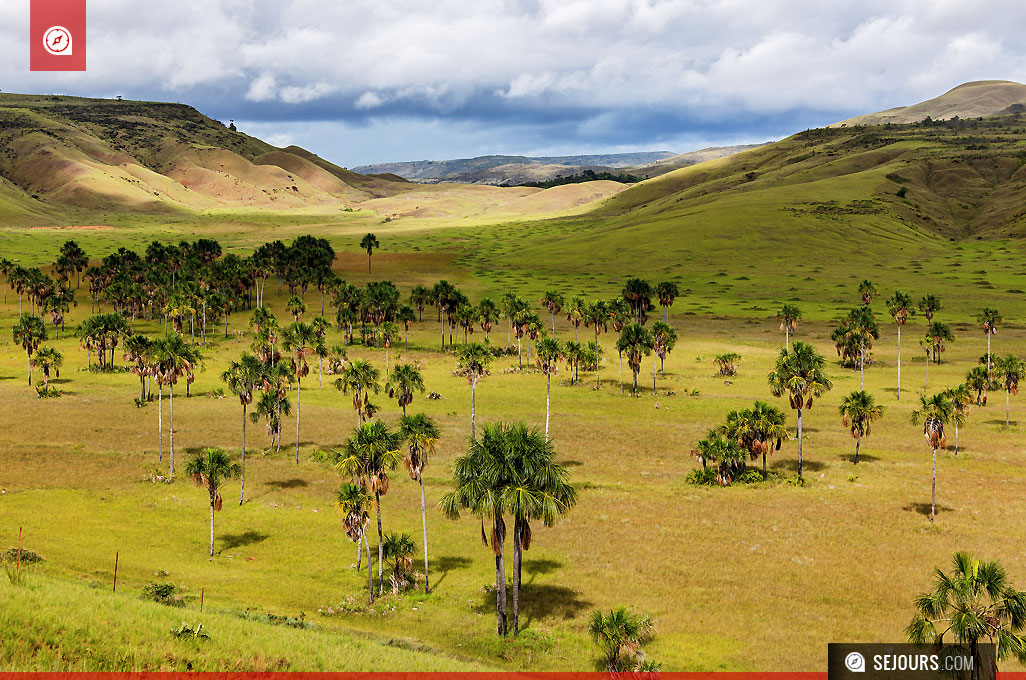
(473, 408)
(160, 421)
(548, 392)
(553, 324)
(499, 531)
(520, 355)
(359, 550)
(171, 431)
(299, 387)
(933, 489)
(212, 524)
(799, 444)
(899, 362)
(988, 354)
(655, 364)
(381, 542)
(858, 442)
(956, 439)
(634, 389)
(423, 519)
(787, 336)
(242, 475)
(517, 561)
(765, 472)
(30, 370)
(1007, 393)
(370, 572)
(926, 382)
(862, 367)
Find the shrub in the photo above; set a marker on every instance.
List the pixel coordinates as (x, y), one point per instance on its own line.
(704, 476)
(45, 392)
(27, 556)
(184, 632)
(901, 192)
(164, 593)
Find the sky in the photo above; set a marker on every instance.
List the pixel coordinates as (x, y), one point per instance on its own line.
(365, 81)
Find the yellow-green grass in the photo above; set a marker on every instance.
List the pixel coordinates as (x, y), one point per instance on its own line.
(736, 578)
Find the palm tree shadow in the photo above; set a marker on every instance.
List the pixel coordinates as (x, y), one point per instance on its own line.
(1000, 422)
(294, 483)
(446, 564)
(233, 541)
(924, 508)
(792, 465)
(534, 568)
(863, 458)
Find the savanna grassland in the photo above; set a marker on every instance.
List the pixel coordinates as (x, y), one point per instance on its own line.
(755, 577)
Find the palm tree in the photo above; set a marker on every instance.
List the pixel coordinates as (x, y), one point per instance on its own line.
(137, 349)
(404, 380)
(242, 378)
(48, 359)
(597, 317)
(472, 361)
(553, 302)
(979, 381)
(789, 316)
(549, 353)
(360, 378)
(29, 332)
(487, 314)
(210, 469)
(619, 315)
(1008, 371)
(727, 363)
(866, 291)
(929, 305)
(989, 318)
(421, 435)
(638, 294)
(301, 340)
(636, 342)
(399, 549)
(620, 635)
(854, 338)
(173, 358)
(934, 413)
(664, 339)
(858, 411)
(940, 334)
(975, 603)
(899, 306)
(296, 307)
(799, 374)
(575, 313)
(758, 431)
(667, 292)
(961, 397)
(717, 448)
(369, 243)
(420, 297)
(370, 453)
(353, 502)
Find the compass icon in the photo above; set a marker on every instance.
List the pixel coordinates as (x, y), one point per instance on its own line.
(57, 41)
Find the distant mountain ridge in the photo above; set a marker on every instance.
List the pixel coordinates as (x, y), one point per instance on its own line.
(980, 98)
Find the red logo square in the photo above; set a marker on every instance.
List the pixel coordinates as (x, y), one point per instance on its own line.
(57, 37)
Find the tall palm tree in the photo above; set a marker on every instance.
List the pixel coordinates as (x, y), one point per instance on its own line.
(242, 378)
(799, 374)
(961, 397)
(369, 243)
(664, 339)
(404, 380)
(360, 378)
(866, 291)
(597, 317)
(553, 302)
(576, 311)
(353, 502)
(636, 342)
(758, 431)
(974, 603)
(370, 453)
(638, 294)
(667, 292)
(137, 350)
(979, 382)
(301, 341)
(858, 411)
(899, 306)
(173, 358)
(1009, 371)
(934, 413)
(472, 360)
(549, 354)
(29, 332)
(421, 436)
(488, 315)
(789, 316)
(48, 359)
(619, 315)
(210, 469)
(989, 318)
(940, 333)
(929, 305)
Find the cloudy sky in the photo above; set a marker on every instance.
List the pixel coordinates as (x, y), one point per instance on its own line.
(364, 81)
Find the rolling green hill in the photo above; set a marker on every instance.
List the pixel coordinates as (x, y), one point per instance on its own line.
(968, 100)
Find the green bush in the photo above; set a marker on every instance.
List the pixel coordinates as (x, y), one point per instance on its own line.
(164, 593)
(704, 476)
(184, 632)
